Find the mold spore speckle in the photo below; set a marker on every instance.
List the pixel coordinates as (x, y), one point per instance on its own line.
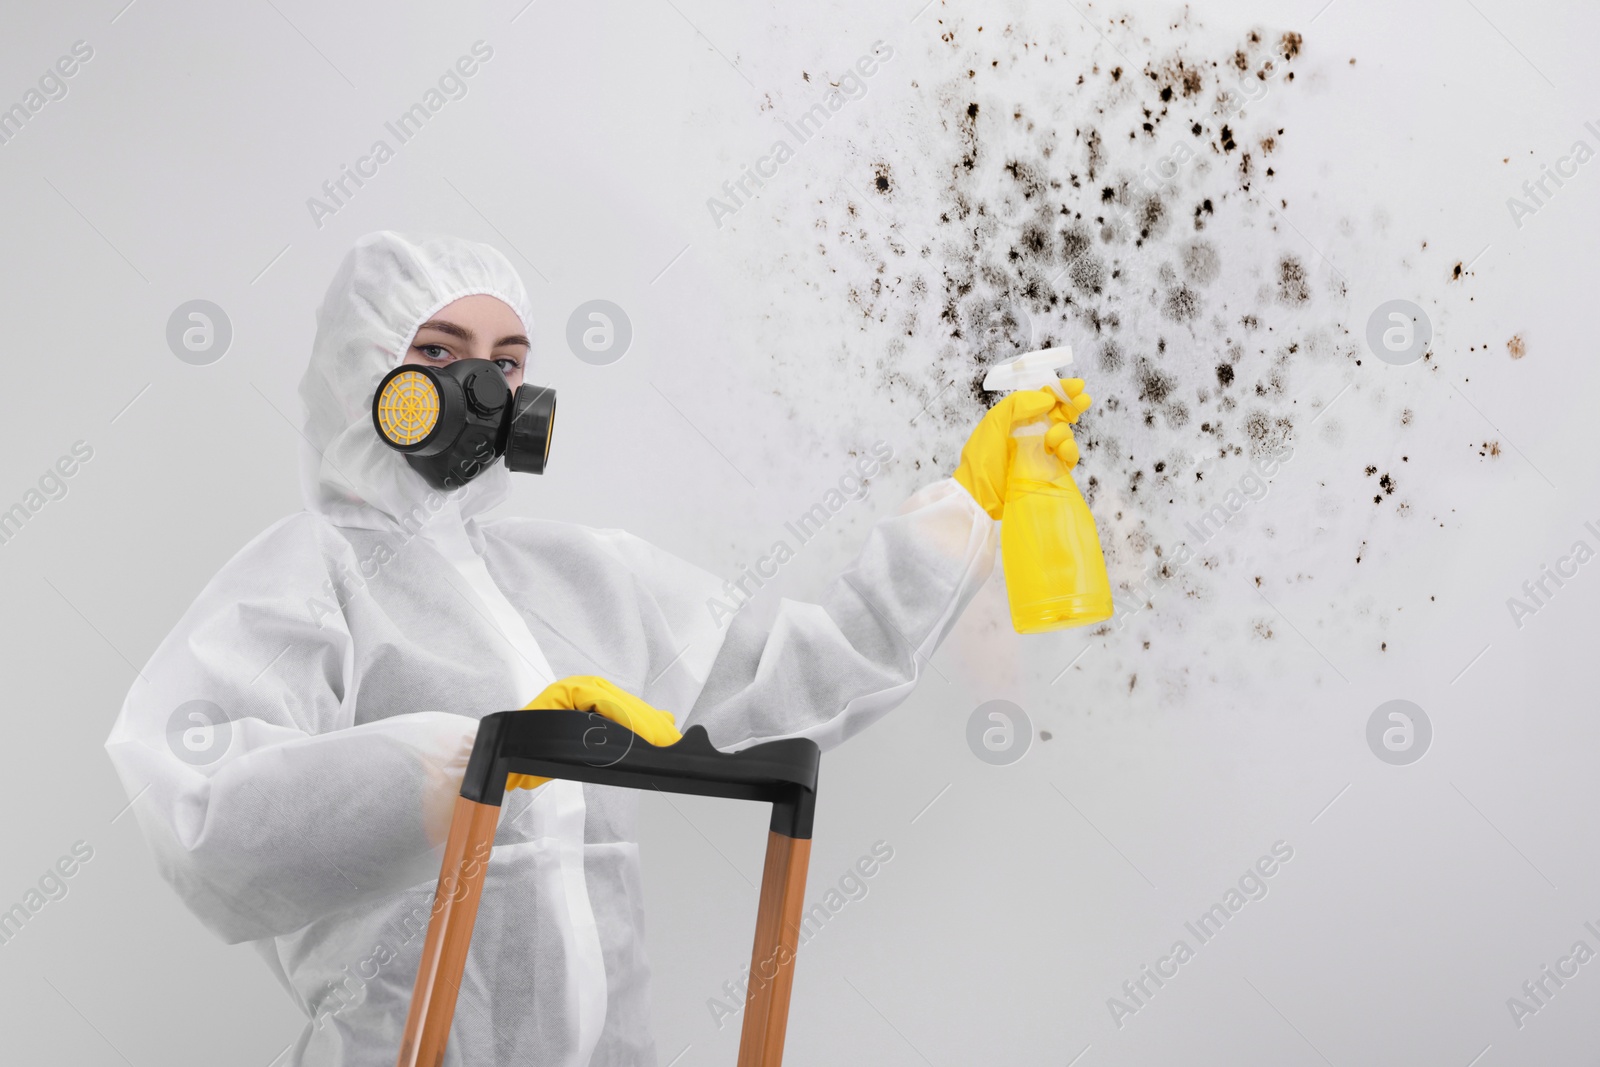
(1035, 186)
(1114, 218)
(1292, 286)
(1201, 263)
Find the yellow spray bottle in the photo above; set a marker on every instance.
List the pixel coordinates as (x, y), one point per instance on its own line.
(1055, 572)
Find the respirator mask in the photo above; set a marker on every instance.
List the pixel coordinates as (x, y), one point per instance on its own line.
(453, 421)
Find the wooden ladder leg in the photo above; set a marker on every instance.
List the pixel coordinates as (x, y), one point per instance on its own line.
(766, 1009)
(444, 951)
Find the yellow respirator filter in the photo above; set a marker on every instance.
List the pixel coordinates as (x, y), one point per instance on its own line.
(408, 408)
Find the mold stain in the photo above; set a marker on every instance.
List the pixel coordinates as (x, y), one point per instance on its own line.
(1040, 187)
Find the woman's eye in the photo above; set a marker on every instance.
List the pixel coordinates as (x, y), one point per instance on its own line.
(434, 351)
(508, 366)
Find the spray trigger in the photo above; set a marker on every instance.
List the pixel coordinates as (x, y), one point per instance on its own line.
(1031, 370)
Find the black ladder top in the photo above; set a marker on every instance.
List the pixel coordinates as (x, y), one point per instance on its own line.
(586, 746)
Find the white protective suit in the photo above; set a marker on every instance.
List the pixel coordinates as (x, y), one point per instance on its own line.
(352, 648)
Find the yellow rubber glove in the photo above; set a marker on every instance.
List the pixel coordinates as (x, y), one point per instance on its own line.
(986, 457)
(585, 692)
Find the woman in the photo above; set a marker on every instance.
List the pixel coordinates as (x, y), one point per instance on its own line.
(296, 743)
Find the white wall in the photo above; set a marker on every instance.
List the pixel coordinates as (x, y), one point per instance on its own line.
(1224, 713)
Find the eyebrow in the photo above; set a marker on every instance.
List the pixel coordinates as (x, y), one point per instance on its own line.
(464, 334)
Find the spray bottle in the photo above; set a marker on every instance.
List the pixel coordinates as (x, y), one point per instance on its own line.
(1055, 572)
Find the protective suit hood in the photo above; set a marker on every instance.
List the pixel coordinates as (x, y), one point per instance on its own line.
(387, 286)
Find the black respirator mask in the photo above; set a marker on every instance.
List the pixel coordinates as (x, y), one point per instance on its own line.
(453, 422)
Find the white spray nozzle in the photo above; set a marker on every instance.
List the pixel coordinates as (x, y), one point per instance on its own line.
(1031, 370)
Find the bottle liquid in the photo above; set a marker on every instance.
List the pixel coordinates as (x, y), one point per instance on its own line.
(1055, 572)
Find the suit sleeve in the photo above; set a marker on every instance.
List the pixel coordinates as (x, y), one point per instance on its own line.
(830, 669)
(265, 804)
